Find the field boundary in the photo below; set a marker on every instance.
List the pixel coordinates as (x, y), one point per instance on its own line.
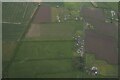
(97, 58)
(42, 59)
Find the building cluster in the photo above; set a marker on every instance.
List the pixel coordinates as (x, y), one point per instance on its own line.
(79, 45)
(94, 70)
(66, 18)
(112, 16)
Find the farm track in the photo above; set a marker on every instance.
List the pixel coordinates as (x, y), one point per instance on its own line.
(65, 71)
(64, 58)
(6, 70)
(47, 40)
(12, 22)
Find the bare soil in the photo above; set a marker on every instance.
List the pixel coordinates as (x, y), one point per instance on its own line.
(102, 46)
(102, 40)
(96, 17)
(43, 14)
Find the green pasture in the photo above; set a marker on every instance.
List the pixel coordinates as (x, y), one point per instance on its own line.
(45, 60)
(69, 74)
(38, 58)
(108, 5)
(40, 67)
(53, 4)
(17, 11)
(12, 32)
(45, 50)
(77, 5)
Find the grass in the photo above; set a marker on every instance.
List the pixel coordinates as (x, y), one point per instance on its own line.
(12, 12)
(38, 58)
(105, 69)
(18, 11)
(69, 74)
(33, 68)
(12, 32)
(108, 5)
(53, 4)
(45, 50)
(77, 5)
(72, 5)
(45, 59)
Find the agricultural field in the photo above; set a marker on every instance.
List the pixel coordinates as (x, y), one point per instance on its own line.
(18, 12)
(52, 31)
(109, 5)
(44, 50)
(107, 45)
(39, 40)
(55, 55)
(43, 15)
(12, 32)
(14, 24)
(98, 23)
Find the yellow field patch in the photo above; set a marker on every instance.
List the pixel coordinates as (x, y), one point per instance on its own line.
(55, 12)
(103, 67)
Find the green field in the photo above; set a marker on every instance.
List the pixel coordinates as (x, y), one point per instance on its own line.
(108, 5)
(15, 18)
(15, 25)
(12, 32)
(56, 55)
(17, 12)
(45, 59)
(77, 5)
(53, 4)
(45, 50)
(45, 69)
(39, 63)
